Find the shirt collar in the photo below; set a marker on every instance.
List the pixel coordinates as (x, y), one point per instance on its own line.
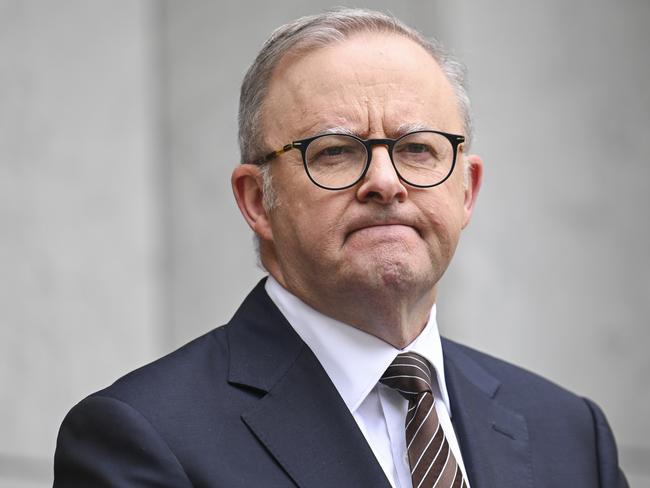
(354, 360)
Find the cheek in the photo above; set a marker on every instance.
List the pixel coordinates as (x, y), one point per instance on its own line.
(444, 224)
(308, 225)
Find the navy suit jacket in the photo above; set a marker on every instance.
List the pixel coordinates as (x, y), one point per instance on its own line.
(249, 405)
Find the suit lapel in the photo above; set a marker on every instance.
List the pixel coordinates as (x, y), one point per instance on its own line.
(301, 420)
(493, 439)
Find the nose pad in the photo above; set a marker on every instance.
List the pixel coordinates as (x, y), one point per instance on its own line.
(381, 181)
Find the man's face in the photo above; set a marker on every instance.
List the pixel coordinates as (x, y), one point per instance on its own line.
(380, 235)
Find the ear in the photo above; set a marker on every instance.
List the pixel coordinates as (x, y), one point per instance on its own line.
(474, 180)
(246, 181)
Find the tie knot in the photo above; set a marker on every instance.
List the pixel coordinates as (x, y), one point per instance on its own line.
(409, 374)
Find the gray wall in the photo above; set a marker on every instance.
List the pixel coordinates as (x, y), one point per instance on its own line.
(79, 214)
(120, 239)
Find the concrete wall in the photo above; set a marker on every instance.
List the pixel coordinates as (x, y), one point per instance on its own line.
(120, 239)
(79, 224)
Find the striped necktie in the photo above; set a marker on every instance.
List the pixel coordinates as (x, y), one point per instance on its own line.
(432, 462)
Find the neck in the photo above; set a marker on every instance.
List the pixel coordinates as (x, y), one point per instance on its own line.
(396, 315)
(397, 320)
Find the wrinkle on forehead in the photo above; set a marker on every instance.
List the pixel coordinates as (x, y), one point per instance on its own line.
(360, 116)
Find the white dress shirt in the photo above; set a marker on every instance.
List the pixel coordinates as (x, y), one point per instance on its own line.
(355, 361)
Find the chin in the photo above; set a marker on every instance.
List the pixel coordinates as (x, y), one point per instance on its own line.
(393, 275)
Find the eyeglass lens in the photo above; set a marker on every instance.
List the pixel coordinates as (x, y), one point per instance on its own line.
(420, 158)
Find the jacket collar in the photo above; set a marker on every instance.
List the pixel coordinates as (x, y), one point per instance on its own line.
(493, 438)
(301, 419)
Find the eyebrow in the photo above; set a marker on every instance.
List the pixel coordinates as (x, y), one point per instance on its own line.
(401, 130)
(337, 129)
(407, 127)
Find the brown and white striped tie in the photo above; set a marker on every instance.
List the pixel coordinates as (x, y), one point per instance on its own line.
(432, 462)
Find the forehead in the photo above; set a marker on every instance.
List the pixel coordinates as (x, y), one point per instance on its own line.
(372, 84)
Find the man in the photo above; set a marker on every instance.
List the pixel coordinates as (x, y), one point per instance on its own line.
(357, 182)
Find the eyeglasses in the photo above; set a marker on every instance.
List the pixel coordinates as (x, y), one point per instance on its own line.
(423, 158)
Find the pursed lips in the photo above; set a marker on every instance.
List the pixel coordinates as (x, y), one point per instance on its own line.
(378, 227)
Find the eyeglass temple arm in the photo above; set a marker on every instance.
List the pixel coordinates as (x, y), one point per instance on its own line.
(272, 155)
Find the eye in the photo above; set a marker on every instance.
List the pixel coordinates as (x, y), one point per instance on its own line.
(416, 151)
(414, 147)
(334, 151)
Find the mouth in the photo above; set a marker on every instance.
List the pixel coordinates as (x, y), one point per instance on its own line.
(388, 229)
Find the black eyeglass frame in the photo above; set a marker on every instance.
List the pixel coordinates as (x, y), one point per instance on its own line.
(455, 140)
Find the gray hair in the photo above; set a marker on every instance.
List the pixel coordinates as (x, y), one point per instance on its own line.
(316, 31)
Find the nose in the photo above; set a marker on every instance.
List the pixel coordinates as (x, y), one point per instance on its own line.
(381, 183)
